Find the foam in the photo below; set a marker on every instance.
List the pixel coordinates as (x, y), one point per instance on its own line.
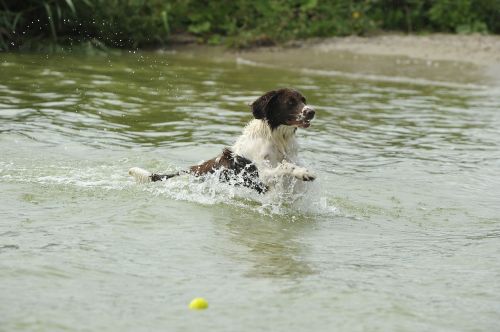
(290, 198)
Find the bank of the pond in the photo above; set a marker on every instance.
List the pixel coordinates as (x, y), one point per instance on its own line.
(415, 59)
(391, 57)
(477, 49)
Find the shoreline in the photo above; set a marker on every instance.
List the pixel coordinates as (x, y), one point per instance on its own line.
(475, 49)
(480, 50)
(462, 59)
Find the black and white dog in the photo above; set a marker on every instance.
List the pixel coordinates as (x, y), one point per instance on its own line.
(266, 151)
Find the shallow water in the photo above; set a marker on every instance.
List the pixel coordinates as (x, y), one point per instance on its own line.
(400, 231)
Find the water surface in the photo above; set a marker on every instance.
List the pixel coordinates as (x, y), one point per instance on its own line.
(400, 231)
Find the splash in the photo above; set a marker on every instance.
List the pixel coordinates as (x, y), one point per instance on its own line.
(290, 198)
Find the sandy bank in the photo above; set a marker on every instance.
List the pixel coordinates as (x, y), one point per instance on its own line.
(475, 49)
(435, 57)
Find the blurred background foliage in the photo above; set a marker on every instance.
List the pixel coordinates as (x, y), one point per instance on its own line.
(31, 24)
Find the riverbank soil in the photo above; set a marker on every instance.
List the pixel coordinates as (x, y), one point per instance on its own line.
(460, 58)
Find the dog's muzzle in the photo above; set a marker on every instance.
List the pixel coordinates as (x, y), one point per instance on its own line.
(305, 117)
(308, 113)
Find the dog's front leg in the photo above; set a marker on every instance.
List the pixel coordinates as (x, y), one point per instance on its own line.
(287, 168)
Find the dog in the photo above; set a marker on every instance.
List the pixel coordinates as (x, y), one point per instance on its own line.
(265, 153)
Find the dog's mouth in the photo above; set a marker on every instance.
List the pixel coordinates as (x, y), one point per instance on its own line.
(305, 123)
(300, 122)
(304, 118)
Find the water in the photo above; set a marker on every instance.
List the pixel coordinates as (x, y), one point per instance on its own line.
(400, 231)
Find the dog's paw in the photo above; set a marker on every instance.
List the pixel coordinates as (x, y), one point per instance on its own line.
(303, 174)
(140, 175)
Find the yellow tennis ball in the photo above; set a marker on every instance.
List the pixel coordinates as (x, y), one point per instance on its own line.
(198, 303)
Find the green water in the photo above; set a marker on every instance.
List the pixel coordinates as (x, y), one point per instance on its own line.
(400, 232)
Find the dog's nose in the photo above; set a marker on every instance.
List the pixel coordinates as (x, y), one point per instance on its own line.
(309, 113)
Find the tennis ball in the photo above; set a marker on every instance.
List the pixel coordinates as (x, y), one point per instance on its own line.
(198, 303)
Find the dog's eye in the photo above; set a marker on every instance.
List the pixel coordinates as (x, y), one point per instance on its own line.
(291, 102)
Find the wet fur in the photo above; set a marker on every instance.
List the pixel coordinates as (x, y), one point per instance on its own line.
(267, 149)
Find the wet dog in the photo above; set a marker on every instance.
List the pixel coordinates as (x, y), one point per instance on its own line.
(266, 152)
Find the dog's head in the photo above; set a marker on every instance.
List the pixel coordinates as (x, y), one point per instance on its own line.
(283, 107)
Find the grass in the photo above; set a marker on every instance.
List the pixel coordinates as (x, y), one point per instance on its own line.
(131, 24)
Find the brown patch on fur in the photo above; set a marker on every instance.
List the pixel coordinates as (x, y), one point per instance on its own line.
(160, 177)
(210, 166)
(234, 169)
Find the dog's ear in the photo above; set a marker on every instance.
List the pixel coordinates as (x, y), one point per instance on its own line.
(259, 107)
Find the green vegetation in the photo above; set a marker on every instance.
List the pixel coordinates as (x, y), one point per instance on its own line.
(27, 24)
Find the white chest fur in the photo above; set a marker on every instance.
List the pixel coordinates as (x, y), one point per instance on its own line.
(260, 144)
